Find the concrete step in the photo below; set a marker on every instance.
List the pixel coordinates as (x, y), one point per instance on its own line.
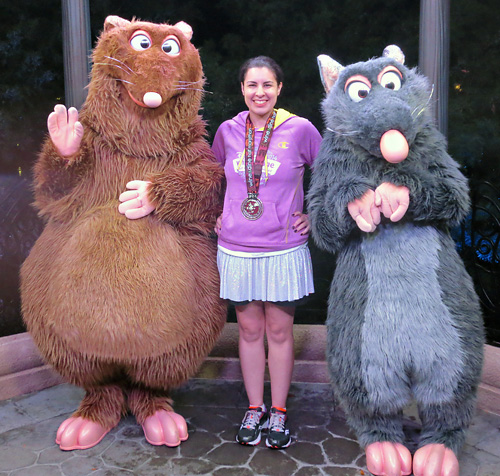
(310, 365)
(23, 371)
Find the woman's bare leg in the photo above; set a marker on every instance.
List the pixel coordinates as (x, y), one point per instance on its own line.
(279, 331)
(252, 325)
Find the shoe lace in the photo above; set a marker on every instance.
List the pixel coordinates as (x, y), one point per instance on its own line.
(277, 422)
(251, 419)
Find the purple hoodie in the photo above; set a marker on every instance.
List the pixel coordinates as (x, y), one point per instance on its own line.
(295, 142)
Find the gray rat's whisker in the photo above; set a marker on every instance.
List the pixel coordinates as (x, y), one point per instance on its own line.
(340, 133)
(424, 107)
(121, 62)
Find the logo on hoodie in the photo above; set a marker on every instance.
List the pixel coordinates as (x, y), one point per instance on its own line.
(269, 168)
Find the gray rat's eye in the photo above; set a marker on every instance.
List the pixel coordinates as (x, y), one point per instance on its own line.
(358, 90)
(140, 41)
(391, 80)
(171, 46)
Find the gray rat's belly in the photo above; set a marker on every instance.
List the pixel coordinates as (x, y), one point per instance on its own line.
(408, 334)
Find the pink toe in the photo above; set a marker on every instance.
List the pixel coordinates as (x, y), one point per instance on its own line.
(450, 464)
(153, 430)
(435, 460)
(374, 458)
(404, 458)
(388, 459)
(170, 430)
(91, 433)
(80, 434)
(62, 428)
(161, 429)
(181, 425)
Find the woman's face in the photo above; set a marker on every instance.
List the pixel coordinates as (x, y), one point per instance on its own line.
(260, 90)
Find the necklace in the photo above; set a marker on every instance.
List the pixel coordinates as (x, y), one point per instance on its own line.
(252, 207)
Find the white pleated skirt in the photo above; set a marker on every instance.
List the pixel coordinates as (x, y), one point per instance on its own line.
(275, 277)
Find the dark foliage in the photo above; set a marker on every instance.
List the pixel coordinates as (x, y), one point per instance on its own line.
(227, 32)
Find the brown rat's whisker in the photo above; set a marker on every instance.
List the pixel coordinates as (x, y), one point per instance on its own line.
(122, 80)
(180, 88)
(113, 65)
(121, 62)
(190, 82)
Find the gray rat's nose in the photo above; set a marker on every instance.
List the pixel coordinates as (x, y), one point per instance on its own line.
(394, 146)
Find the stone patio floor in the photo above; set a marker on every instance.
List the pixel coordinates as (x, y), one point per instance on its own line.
(322, 442)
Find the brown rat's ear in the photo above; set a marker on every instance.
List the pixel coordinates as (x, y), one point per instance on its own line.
(112, 21)
(187, 31)
(329, 71)
(394, 52)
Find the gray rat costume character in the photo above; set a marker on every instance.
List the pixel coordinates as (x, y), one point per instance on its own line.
(403, 318)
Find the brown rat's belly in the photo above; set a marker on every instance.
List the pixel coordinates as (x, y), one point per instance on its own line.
(110, 287)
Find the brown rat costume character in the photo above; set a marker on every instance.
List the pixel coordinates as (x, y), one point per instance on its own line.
(127, 309)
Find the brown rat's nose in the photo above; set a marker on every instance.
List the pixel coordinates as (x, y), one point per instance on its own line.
(152, 100)
(394, 146)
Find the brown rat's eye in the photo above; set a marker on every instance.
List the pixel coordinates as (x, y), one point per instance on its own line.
(171, 46)
(140, 41)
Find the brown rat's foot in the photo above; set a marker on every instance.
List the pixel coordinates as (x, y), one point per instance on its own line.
(435, 460)
(77, 433)
(100, 410)
(388, 459)
(165, 428)
(153, 410)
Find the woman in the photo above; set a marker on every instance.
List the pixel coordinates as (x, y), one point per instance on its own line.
(263, 259)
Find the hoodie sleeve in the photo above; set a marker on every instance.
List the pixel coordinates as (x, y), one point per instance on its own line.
(309, 142)
(218, 147)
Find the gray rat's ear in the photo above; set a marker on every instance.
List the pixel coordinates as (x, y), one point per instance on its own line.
(394, 52)
(186, 29)
(112, 21)
(329, 71)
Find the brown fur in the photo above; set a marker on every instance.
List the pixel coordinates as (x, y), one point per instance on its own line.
(125, 304)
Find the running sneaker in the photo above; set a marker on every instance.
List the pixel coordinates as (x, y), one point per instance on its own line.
(279, 435)
(253, 423)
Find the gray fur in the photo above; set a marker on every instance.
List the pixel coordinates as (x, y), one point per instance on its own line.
(413, 340)
(403, 318)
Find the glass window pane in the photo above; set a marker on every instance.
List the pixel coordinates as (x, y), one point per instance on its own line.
(474, 141)
(31, 82)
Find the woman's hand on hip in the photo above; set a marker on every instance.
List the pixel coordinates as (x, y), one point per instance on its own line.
(218, 225)
(302, 224)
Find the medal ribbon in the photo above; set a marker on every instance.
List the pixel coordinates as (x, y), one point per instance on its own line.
(253, 170)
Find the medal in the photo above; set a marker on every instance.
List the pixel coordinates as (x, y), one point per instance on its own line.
(252, 207)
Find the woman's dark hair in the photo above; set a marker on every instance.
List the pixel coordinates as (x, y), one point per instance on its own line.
(261, 62)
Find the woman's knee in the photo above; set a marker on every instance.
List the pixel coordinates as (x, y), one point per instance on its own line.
(251, 333)
(279, 326)
(278, 334)
(251, 323)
